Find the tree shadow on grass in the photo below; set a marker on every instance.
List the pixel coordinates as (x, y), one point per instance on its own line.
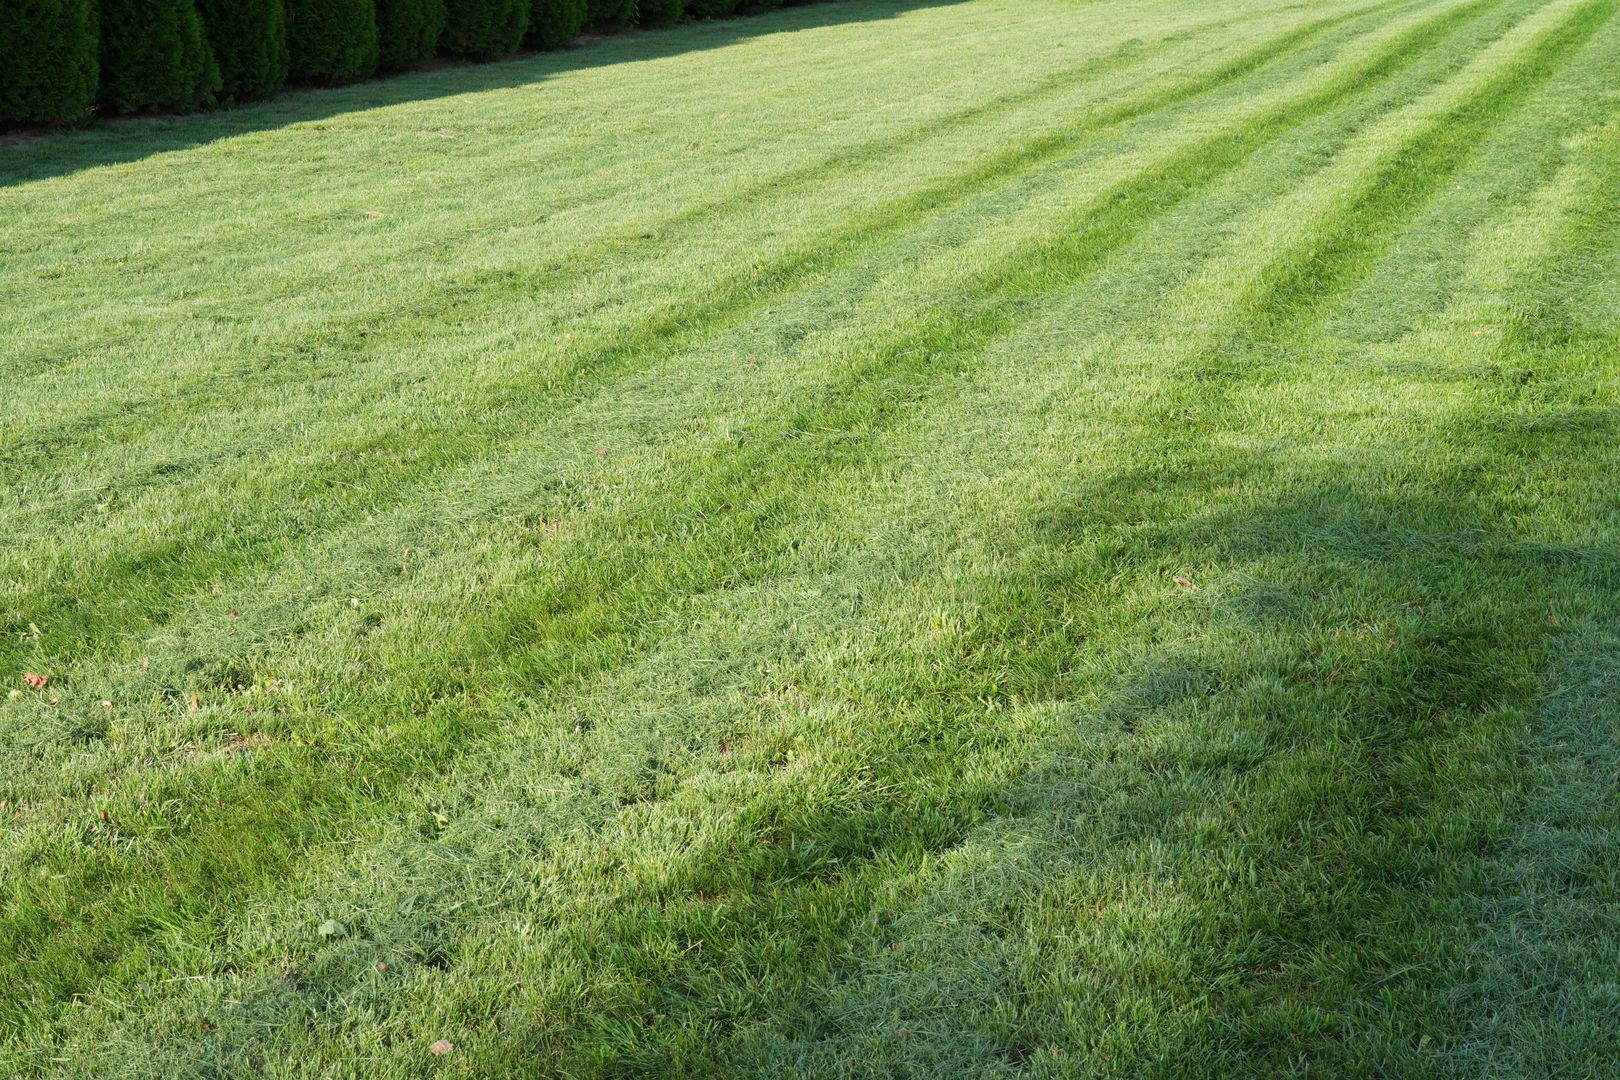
(1260, 837)
(130, 139)
(1275, 837)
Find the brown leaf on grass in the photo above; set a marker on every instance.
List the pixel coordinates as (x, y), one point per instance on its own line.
(36, 681)
(1185, 583)
(441, 1048)
(196, 702)
(601, 451)
(241, 744)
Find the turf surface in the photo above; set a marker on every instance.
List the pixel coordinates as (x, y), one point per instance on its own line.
(883, 539)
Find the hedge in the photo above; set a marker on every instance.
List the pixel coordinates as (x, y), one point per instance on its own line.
(408, 30)
(249, 39)
(61, 60)
(708, 9)
(609, 14)
(48, 48)
(658, 12)
(485, 29)
(154, 55)
(332, 41)
(555, 23)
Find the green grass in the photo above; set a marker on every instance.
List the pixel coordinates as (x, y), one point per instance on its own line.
(675, 546)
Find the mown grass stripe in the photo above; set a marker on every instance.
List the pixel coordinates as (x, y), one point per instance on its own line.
(1109, 235)
(224, 391)
(754, 525)
(1297, 290)
(661, 230)
(1229, 828)
(1042, 585)
(68, 615)
(668, 890)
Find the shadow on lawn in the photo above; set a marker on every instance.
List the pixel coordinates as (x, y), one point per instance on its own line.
(130, 139)
(1364, 643)
(1317, 746)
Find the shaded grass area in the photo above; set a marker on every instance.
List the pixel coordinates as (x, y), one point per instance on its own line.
(1106, 573)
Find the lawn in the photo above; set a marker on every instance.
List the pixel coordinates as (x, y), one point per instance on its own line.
(1011, 537)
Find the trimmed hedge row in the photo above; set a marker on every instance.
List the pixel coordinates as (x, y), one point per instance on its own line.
(249, 39)
(484, 29)
(62, 60)
(332, 41)
(49, 65)
(609, 14)
(554, 23)
(658, 12)
(408, 31)
(154, 55)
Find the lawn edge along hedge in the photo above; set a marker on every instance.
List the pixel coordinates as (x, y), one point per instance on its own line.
(62, 61)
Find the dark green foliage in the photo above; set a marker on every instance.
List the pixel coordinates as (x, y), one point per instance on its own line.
(48, 53)
(177, 54)
(332, 41)
(658, 12)
(249, 39)
(608, 14)
(154, 55)
(408, 30)
(485, 29)
(708, 9)
(554, 23)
